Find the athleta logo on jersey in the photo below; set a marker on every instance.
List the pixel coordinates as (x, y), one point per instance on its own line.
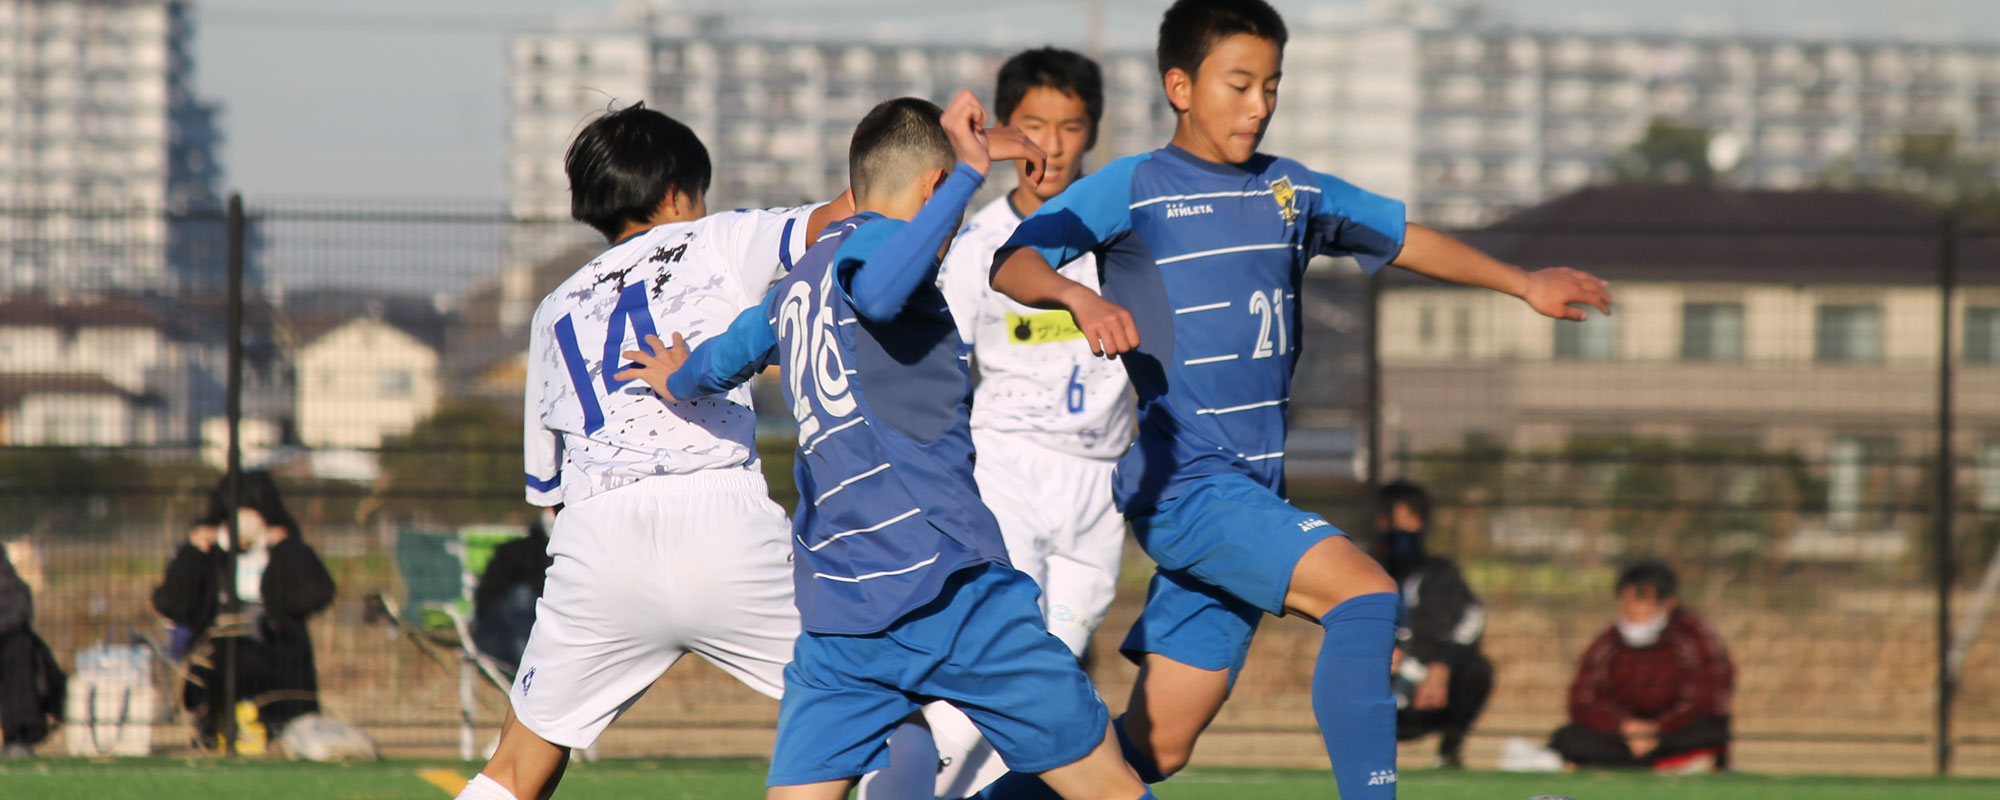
(1188, 210)
(1309, 524)
(1381, 777)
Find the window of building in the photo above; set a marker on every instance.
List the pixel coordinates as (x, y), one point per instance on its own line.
(1982, 335)
(1849, 334)
(1595, 339)
(1461, 333)
(1989, 476)
(1426, 326)
(1712, 331)
(397, 383)
(1858, 482)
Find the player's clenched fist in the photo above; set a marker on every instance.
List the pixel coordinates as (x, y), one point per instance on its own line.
(656, 361)
(1107, 326)
(964, 122)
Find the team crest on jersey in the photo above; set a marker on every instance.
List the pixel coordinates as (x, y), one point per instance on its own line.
(1287, 197)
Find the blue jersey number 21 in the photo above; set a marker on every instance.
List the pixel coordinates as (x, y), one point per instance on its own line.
(632, 310)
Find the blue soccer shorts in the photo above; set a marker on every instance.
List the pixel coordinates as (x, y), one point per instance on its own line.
(1226, 546)
(981, 646)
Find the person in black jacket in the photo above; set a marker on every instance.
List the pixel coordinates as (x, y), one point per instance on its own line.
(279, 581)
(503, 604)
(1442, 680)
(31, 685)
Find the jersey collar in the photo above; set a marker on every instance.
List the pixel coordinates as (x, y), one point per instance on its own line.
(1206, 165)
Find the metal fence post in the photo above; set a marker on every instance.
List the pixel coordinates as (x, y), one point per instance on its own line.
(1374, 369)
(233, 603)
(1946, 478)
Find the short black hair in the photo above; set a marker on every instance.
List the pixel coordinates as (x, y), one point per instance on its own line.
(899, 140)
(1407, 493)
(260, 494)
(623, 164)
(1065, 71)
(1191, 28)
(1650, 574)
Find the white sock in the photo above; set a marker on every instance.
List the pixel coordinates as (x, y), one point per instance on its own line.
(484, 788)
(912, 770)
(968, 762)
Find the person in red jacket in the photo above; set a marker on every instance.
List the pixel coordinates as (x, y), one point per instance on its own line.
(1653, 690)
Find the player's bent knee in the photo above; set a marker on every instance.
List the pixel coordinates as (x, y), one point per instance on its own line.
(1172, 759)
(1330, 573)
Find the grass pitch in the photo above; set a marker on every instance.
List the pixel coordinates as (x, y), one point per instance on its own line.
(169, 779)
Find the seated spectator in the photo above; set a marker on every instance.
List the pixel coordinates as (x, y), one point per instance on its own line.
(503, 604)
(1653, 690)
(31, 684)
(279, 581)
(1442, 680)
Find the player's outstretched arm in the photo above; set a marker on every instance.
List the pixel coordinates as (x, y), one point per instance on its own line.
(720, 364)
(1554, 292)
(1022, 273)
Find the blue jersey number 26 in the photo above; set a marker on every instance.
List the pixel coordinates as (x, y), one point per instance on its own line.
(631, 310)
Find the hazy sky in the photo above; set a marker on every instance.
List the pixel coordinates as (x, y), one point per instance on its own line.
(393, 99)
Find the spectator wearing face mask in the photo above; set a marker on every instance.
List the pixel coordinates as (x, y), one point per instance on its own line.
(1653, 690)
(1441, 679)
(279, 582)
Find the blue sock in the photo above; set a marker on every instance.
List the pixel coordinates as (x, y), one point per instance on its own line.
(1026, 786)
(1356, 712)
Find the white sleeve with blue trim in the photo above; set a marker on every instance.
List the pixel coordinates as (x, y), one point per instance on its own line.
(541, 448)
(1351, 221)
(1085, 217)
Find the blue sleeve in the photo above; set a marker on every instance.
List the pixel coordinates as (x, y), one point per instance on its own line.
(725, 362)
(1351, 221)
(1087, 215)
(890, 258)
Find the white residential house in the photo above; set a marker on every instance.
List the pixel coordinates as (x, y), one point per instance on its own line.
(1805, 323)
(147, 361)
(360, 381)
(73, 410)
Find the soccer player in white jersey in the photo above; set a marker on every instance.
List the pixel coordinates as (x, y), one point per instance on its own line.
(1049, 419)
(667, 542)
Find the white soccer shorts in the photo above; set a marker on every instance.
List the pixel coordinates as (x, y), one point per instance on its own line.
(645, 574)
(1056, 513)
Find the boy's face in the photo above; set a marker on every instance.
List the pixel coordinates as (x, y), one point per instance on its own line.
(1230, 100)
(1059, 123)
(1640, 604)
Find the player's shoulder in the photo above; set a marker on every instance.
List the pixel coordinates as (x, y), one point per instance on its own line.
(1119, 171)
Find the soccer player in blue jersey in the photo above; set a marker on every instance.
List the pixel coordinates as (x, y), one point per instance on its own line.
(903, 584)
(1202, 245)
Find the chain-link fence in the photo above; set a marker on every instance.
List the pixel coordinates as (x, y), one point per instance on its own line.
(1765, 410)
